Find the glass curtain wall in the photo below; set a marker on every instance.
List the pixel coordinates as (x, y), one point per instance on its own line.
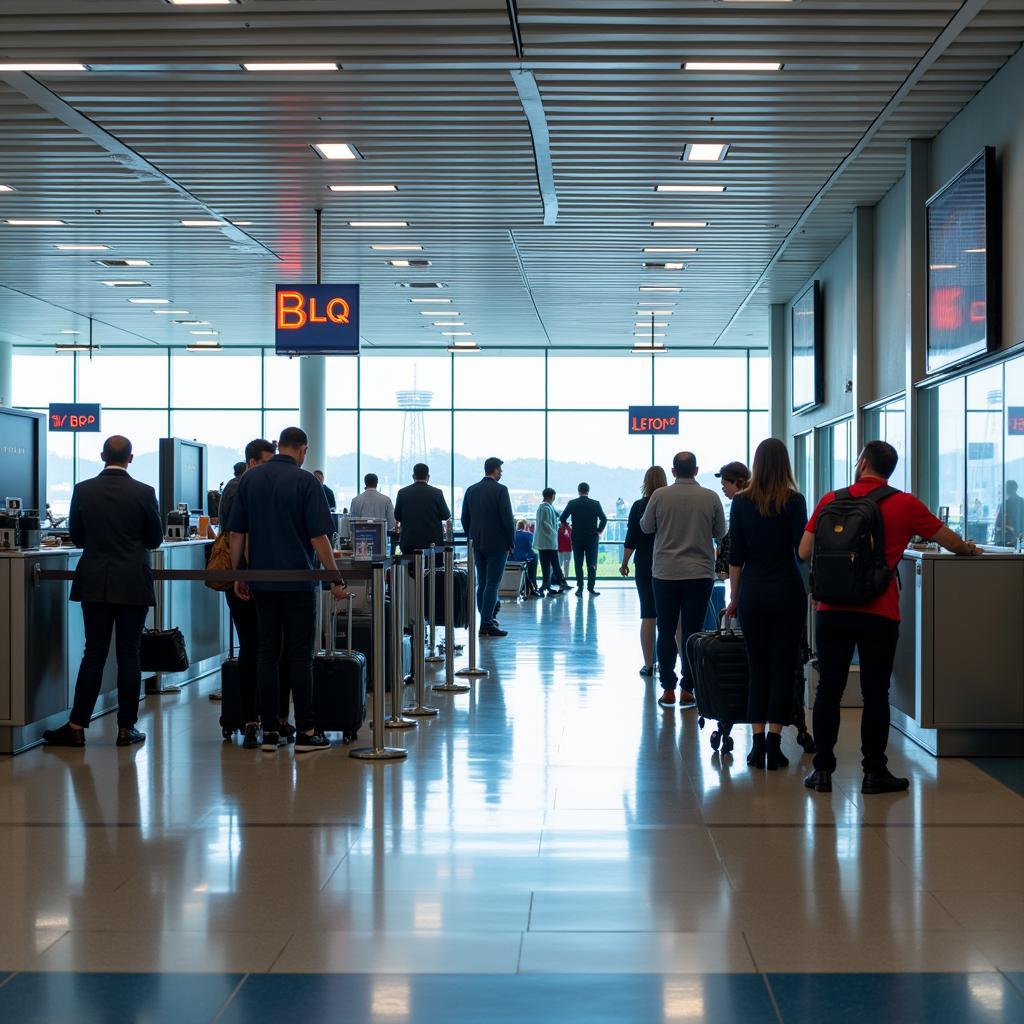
(888, 422)
(557, 418)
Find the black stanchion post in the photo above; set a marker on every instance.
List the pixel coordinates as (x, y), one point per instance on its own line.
(449, 685)
(398, 586)
(471, 671)
(433, 657)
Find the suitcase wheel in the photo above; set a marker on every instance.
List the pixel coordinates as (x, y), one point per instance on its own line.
(700, 724)
(727, 744)
(716, 739)
(806, 740)
(228, 734)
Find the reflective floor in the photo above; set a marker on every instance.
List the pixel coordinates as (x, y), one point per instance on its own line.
(556, 847)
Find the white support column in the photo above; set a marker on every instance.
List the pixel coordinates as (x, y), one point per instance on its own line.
(313, 408)
(780, 368)
(918, 168)
(6, 373)
(863, 375)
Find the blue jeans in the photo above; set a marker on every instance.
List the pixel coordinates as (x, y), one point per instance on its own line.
(489, 568)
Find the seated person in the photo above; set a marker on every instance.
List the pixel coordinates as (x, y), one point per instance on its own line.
(522, 551)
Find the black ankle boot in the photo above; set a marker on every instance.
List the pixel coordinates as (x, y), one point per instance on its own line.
(774, 757)
(757, 751)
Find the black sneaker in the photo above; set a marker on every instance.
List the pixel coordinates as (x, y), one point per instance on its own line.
(819, 780)
(65, 736)
(271, 741)
(593, 592)
(314, 741)
(216, 695)
(251, 739)
(126, 737)
(288, 732)
(883, 782)
(493, 631)
(647, 671)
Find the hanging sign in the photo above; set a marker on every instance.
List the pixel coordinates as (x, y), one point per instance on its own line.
(1015, 420)
(654, 419)
(316, 319)
(74, 418)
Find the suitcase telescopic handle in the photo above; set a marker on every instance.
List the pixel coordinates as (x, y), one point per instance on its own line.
(349, 601)
(726, 624)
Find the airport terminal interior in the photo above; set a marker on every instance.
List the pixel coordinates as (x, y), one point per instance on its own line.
(579, 238)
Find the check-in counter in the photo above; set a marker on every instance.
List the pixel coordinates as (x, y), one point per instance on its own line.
(958, 680)
(42, 637)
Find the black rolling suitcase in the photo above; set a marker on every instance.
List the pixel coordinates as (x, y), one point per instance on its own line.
(720, 674)
(231, 718)
(460, 609)
(339, 683)
(361, 632)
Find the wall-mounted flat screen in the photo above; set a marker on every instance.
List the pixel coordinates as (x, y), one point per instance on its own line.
(23, 458)
(808, 334)
(963, 266)
(182, 474)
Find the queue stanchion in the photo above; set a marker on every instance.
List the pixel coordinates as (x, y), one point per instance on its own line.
(471, 670)
(449, 685)
(378, 752)
(419, 708)
(398, 586)
(433, 657)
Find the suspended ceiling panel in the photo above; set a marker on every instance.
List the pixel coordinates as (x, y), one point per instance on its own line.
(426, 95)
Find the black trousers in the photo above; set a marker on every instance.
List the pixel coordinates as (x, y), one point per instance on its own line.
(100, 620)
(551, 571)
(247, 630)
(679, 603)
(874, 637)
(773, 623)
(585, 550)
(287, 622)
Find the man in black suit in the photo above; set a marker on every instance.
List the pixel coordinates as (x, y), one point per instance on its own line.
(588, 522)
(116, 521)
(487, 520)
(421, 512)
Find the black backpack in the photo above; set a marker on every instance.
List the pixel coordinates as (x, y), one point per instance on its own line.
(848, 565)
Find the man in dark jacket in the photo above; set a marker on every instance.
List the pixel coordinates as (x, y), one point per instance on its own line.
(487, 520)
(421, 512)
(115, 519)
(588, 522)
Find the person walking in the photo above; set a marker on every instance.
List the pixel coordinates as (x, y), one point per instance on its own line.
(243, 613)
(280, 520)
(421, 512)
(487, 520)
(332, 502)
(371, 504)
(687, 520)
(640, 547)
(545, 542)
(766, 524)
(116, 521)
(588, 523)
(869, 624)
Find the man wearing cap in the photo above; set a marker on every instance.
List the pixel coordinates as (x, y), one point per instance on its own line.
(489, 524)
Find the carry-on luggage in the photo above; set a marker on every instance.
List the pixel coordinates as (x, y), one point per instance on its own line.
(361, 632)
(231, 718)
(460, 610)
(339, 681)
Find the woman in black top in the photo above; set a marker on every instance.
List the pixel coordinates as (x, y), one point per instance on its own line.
(765, 527)
(640, 546)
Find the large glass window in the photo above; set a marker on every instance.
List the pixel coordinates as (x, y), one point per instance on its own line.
(281, 381)
(837, 453)
(950, 449)
(407, 380)
(889, 423)
(484, 381)
(225, 433)
(984, 451)
(803, 467)
(587, 381)
(230, 381)
(143, 428)
(391, 443)
(124, 378)
(40, 379)
(717, 380)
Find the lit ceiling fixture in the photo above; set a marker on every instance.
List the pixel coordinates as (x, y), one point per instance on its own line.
(982, 249)
(82, 248)
(409, 263)
(363, 188)
(205, 346)
(171, 312)
(456, 334)
(664, 266)
(242, 223)
(296, 66)
(433, 302)
(29, 222)
(679, 223)
(943, 266)
(656, 312)
(437, 312)
(643, 323)
(449, 323)
(397, 248)
(202, 223)
(70, 332)
(658, 288)
(731, 65)
(192, 323)
(206, 334)
(652, 348)
(126, 284)
(7, 188)
(151, 302)
(705, 152)
(337, 151)
(43, 67)
(702, 189)
(647, 334)
(122, 263)
(378, 223)
(679, 248)
(464, 346)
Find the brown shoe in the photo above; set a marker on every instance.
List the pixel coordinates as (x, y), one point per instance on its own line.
(65, 736)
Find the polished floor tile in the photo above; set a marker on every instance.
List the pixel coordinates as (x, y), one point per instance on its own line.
(1008, 770)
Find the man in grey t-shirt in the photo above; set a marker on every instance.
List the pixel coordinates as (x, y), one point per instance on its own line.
(371, 504)
(686, 520)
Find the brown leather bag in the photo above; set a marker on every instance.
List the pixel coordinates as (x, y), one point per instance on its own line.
(220, 559)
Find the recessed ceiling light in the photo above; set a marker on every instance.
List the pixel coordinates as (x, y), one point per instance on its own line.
(337, 151)
(82, 248)
(456, 334)
(705, 152)
(201, 3)
(449, 323)
(122, 263)
(647, 334)
(70, 332)
(151, 302)
(658, 288)
(437, 312)
(363, 188)
(646, 350)
(678, 248)
(702, 189)
(242, 223)
(296, 66)
(731, 65)
(126, 284)
(28, 222)
(664, 266)
(75, 346)
(655, 324)
(42, 67)
(378, 223)
(420, 284)
(656, 312)
(433, 302)
(463, 346)
(202, 223)
(192, 323)
(207, 334)
(171, 312)
(679, 223)
(7, 188)
(409, 263)
(943, 266)
(397, 248)
(204, 346)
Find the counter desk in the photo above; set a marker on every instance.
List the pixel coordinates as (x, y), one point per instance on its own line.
(958, 680)
(42, 637)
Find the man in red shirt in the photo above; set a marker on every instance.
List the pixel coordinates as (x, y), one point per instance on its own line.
(872, 629)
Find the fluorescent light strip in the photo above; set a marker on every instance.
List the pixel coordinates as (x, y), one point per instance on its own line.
(449, 323)
(705, 152)
(664, 266)
(439, 312)
(200, 347)
(456, 334)
(315, 66)
(126, 284)
(337, 151)
(207, 334)
(680, 248)
(43, 67)
(433, 302)
(83, 248)
(151, 302)
(701, 189)
(679, 223)
(27, 222)
(655, 312)
(7, 188)
(242, 223)
(203, 223)
(647, 334)
(731, 65)
(658, 288)
(641, 323)
(378, 223)
(397, 248)
(171, 312)
(193, 323)
(363, 188)
(70, 332)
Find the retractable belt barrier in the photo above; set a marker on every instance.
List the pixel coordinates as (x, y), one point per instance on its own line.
(449, 685)
(471, 671)
(419, 709)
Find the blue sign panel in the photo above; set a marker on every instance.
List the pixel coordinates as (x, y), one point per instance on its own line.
(317, 319)
(654, 419)
(74, 418)
(1015, 420)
